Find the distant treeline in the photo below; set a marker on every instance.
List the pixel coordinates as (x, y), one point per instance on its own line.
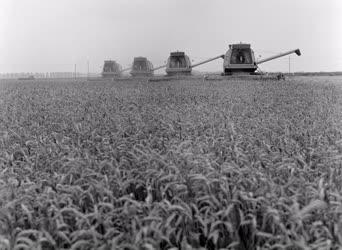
(46, 75)
(334, 73)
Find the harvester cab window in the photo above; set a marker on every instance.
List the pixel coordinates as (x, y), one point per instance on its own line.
(140, 65)
(108, 67)
(241, 56)
(177, 62)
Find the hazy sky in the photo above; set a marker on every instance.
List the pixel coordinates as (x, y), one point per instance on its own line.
(53, 35)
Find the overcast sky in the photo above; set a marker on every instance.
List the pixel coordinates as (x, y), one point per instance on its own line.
(53, 35)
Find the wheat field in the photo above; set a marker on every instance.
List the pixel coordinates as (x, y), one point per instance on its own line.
(185, 164)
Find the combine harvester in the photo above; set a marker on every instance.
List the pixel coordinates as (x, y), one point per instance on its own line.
(239, 62)
(112, 69)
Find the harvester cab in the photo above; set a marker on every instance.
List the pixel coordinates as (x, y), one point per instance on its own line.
(178, 63)
(239, 58)
(111, 69)
(141, 67)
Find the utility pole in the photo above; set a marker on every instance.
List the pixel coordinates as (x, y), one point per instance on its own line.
(88, 69)
(75, 71)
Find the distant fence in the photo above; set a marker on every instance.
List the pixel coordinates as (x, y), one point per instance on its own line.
(47, 75)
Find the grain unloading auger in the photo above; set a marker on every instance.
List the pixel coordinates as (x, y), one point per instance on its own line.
(295, 51)
(160, 67)
(208, 60)
(126, 69)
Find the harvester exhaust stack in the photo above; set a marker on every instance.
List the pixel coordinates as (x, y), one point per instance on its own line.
(296, 51)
